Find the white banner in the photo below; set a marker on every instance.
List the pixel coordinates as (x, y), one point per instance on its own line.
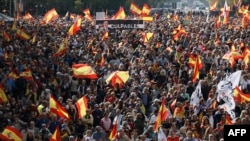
(225, 92)
(196, 97)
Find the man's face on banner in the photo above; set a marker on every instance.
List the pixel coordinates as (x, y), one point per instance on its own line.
(105, 24)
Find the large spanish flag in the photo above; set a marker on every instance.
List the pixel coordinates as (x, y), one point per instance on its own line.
(213, 5)
(162, 115)
(62, 49)
(49, 16)
(75, 27)
(57, 108)
(82, 106)
(11, 133)
(22, 35)
(240, 96)
(3, 97)
(56, 135)
(112, 135)
(84, 71)
(134, 8)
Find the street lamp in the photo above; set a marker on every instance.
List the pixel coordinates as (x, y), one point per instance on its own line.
(37, 7)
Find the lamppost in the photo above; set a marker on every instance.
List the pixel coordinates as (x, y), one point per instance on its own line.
(37, 7)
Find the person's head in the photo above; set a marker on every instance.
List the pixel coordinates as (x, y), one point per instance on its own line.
(189, 134)
(210, 137)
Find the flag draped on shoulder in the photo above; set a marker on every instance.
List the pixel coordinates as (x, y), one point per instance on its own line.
(82, 106)
(11, 133)
(57, 108)
(84, 71)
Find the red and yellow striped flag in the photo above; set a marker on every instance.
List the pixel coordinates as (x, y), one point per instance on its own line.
(84, 71)
(50, 15)
(26, 74)
(11, 133)
(3, 97)
(62, 49)
(145, 10)
(213, 5)
(228, 120)
(22, 35)
(240, 96)
(196, 70)
(134, 8)
(6, 36)
(56, 135)
(113, 133)
(86, 11)
(75, 27)
(13, 75)
(120, 14)
(105, 36)
(148, 19)
(57, 108)
(162, 115)
(82, 106)
(28, 17)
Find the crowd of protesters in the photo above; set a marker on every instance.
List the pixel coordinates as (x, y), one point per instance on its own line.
(158, 69)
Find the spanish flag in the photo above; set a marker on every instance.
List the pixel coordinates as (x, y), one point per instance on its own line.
(192, 61)
(213, 5)
(62, 49)
(84, 71)
(49, 16)
(145, 10)
(26, 74)
(3, 97)
(147, 36)
(196, 70)
(28, 17)
(6, 36)
(228, 120)
(22, 35)
(240, 96)
(56, 135)
(57, 108)
(120, 14)
(14, 26)
(162, 115)
(105, 36)
(13, 75)
(112, 135)
(217, 23)
(134, 8)
(11, 133)
(148, 19)
(82, 106)
(86, 11)
(75, 27)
